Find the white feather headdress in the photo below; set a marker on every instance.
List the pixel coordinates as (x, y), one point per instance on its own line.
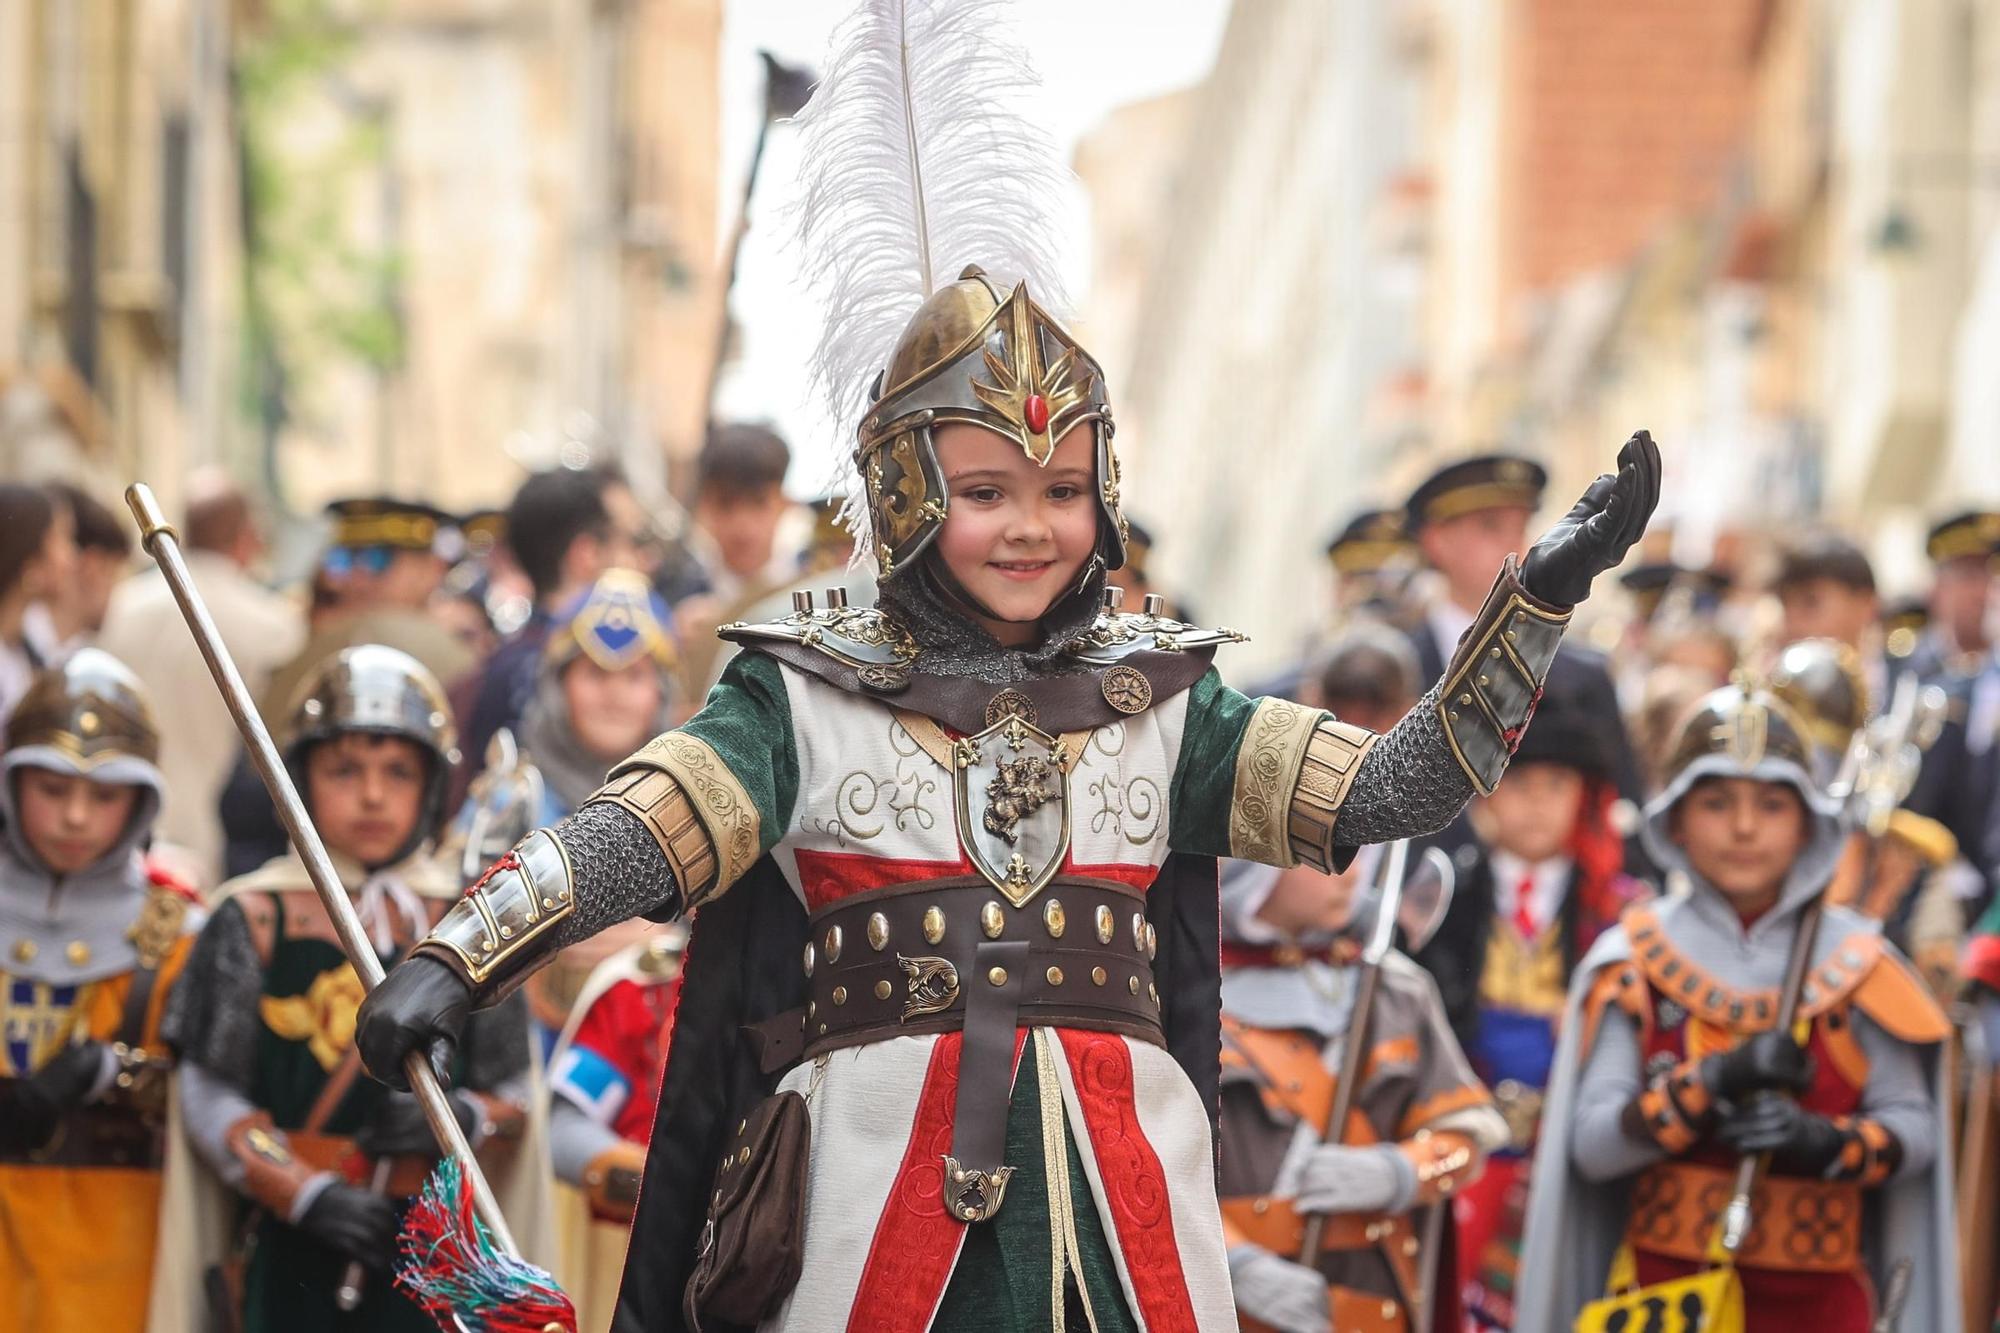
(919, 160)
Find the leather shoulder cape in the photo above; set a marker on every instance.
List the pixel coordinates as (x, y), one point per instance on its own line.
(742, 967)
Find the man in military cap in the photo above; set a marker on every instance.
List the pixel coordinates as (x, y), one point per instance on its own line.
(1474, 511)
(1964, 552)
(1372, 558)
(383, 561)
(1650, 584)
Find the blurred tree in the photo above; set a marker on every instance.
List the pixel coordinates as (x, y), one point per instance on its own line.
(315, 294)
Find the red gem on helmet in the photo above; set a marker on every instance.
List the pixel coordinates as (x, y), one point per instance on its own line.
(1036, 412)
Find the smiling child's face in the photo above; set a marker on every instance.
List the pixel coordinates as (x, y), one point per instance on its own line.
(1016, 535)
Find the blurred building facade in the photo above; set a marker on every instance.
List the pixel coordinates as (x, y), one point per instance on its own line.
(337, 245)
(1764, 229)
(1248, 346)
(116, 238)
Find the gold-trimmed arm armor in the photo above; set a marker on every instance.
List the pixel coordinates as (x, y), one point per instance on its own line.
(1294, 769)
(1495, 678)
(504, 929)
(654, 798)
(1333, 756)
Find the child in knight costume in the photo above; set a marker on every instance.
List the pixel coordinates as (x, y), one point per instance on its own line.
(1420, 1127)
(1543, 878)
(323, 1162)
(952, 856)
(94, 940)
(1670, 1070)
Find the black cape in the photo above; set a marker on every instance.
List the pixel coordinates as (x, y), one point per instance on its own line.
(742, 967)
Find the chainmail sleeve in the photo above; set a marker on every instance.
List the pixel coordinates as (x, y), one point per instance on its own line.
(618, 871)
(211, 1017)
(1410, 782)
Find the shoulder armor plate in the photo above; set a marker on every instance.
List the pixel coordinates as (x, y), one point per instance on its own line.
(861, 637)
(1116, 635)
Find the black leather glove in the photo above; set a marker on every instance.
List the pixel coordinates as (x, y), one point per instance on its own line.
(400, 1126)
(34, 1106)
(1768, 1062)
(358, 1224)
(1597, 531)
(420, 1006)
(1800, 1142)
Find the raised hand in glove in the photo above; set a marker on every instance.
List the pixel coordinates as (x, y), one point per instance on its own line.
(1800, 1142)
(1278, 1292)
(1768, 1062)
(420, 1006)
(357, 1223)
(1342, 1179)
(1597, 531)
(399, 1127)
(33, 1107)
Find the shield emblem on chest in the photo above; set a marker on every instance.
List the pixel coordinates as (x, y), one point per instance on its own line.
(1012, 787)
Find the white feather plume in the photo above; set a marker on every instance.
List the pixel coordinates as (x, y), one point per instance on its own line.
(919, 159)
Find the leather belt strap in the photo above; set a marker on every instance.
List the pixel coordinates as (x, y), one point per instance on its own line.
(902, 961)
(138, 998)
(975, 1178)
(1801, 1226)
(1273, 1223)
(339, 1154)
(101, 1134)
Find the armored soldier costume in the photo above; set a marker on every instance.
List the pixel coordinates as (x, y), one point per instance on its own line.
(268, 1092)
(1514, 933)
(1421, 1127)
(1668, 1065)
(964, 892)
(90, 956)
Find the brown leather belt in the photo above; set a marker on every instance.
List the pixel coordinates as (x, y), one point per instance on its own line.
(904, 960)
(100, 1135)
(956, 954)
(1801, 1226)
(338, 1154)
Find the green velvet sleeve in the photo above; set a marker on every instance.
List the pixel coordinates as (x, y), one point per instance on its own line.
(747, 720)
(1204, 783)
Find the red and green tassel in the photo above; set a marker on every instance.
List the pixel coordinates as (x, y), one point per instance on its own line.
(452, 1268)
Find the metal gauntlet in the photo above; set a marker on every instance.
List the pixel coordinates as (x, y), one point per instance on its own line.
(1495, 678)
(503, 930)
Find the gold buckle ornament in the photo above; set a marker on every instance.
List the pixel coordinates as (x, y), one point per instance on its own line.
(974, 1195)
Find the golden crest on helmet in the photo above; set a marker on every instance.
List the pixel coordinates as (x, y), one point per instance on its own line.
(1030, 396)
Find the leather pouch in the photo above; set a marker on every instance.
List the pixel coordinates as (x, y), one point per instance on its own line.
(753, 1244)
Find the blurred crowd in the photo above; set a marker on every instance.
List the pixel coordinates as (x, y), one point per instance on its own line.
(445, 683)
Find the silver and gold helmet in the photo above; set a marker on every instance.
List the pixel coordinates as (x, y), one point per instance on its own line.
(1742, 730)
(1823, 683)
(91, 709)
(971, 355)
(377, 690)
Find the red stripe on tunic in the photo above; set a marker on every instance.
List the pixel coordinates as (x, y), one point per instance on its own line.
(916, 1241)
(1135, 1186)
(827, 877)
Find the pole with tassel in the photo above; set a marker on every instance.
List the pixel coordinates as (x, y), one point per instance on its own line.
(457, 1245)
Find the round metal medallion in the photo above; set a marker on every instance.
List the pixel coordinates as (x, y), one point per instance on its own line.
(1127, 689)
(883, 679)
(1010, 703)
